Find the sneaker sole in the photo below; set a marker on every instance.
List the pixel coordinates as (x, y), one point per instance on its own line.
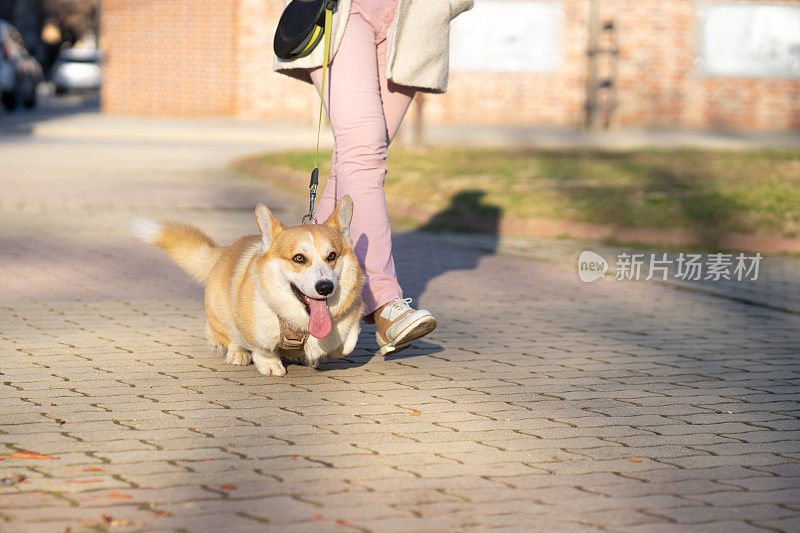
(413, 331)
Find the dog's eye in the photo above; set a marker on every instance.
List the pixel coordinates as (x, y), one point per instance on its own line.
(299, 258)
(331, 256)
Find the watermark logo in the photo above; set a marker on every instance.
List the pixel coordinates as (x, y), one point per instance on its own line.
(591, 266)
(664, 267)
(687, 267)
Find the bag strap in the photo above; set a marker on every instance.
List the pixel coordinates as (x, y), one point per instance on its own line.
(326, 52)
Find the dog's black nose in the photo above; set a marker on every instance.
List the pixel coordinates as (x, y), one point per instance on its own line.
(324, 287)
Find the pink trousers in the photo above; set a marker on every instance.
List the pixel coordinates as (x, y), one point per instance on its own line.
(365, 110)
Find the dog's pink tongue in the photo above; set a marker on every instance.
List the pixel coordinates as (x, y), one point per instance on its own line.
(319, 320)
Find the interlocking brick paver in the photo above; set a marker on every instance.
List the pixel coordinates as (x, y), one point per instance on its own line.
(686, 487)
(538, 404)
(763, 483)
(83, 514)
(620, 517)
(543, 455)
(731, 499)
(394, 525)
(710, 514)
(717, 527)
(786, 524)
(710, 461)
(405, 498)
(31, 499)
(175, 494)
(666, 475)
(440, 484)
(79, 482)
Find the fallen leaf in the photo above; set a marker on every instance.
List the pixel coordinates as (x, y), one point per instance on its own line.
(52, 405)
(317, 517)
(365, 453)
(27, 455)
(125, 522)
(13, 479)
(636, 459)
(345, 490)
(206, 459)
(228, 487)
(415, 413)
(292, 457)
(110, 521)
(117, 495)
(343, 523)
(415, 513)
(160, 513)
(61, 422)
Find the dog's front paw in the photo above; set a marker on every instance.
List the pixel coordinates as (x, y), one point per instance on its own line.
(237, 356)
(315, 360)
(269, 366)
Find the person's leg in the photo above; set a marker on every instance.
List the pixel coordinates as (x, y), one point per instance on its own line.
(396, 98)
(359, 127)
(397, 323)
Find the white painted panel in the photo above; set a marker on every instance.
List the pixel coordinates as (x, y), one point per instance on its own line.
(749, 39)
(507, 36)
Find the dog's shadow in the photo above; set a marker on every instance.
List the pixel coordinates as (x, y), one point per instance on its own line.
(363, 355)
(423, 255)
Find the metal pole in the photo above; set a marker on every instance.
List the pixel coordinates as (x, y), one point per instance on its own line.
(419, 122)
(590, 122)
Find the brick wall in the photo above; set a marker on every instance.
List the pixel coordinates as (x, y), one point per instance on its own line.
(660, 86)
(261, 92)
(169, 57)
(523, 98)
(214, 57)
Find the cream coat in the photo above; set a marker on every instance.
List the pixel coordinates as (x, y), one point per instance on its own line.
(417, 48)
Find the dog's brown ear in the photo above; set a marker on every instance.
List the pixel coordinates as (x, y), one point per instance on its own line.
(269, 225)
(341, 217)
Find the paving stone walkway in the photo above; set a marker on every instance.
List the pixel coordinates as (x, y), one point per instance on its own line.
(540, 403)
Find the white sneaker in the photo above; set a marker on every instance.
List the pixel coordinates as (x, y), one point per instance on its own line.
(398, 324)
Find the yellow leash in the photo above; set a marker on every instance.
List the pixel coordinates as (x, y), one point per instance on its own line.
(315, 173)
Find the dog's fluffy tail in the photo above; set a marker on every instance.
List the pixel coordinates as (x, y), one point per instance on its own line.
(194, 251)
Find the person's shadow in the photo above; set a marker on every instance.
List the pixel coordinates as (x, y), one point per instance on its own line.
(453, 239)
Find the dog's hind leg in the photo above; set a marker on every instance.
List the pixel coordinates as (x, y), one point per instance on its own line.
(217, 339)
(237, 355)
(234, 354)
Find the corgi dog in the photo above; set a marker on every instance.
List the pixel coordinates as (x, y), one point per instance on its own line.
(290, 293)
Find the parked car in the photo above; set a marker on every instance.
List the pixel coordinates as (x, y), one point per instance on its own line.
(20, 73)
(77, 69)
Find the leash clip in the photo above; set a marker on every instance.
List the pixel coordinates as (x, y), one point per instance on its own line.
(312, 196)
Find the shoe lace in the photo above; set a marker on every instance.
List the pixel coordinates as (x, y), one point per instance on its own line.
(399, 305)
